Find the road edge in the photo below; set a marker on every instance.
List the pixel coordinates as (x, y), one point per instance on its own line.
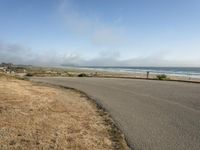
(117, 136)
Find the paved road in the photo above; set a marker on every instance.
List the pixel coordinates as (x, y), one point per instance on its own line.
(154, 115)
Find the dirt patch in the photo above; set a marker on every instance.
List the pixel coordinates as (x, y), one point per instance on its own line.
(34, 116)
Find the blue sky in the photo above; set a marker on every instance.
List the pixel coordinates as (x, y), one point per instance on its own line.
(100, 32)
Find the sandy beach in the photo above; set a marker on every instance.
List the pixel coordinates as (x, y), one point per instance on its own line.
(76, 71)
(139, 75)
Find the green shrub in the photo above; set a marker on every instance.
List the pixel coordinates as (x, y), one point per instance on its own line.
(82, 75)
(162, 77)
(29, 74)
(22, 78)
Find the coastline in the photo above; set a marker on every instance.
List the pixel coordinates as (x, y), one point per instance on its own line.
(134, 75)
(29, 71)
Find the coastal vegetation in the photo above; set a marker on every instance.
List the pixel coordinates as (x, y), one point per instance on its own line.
(82, 75)
(162, 77)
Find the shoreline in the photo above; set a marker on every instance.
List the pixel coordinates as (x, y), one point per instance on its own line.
(133, 75)
(91, 72)
(171, 71)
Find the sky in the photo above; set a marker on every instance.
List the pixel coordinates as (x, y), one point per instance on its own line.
(100, 32)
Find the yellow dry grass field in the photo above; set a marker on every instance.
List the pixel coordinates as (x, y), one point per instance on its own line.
(34, 116)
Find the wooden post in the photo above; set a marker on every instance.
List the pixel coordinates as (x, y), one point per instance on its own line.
(147, 74)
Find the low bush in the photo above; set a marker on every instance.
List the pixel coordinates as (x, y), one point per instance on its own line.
(162, 77)
(29, 74)
(82, 75)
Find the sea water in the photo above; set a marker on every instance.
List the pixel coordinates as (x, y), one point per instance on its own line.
(175, 71)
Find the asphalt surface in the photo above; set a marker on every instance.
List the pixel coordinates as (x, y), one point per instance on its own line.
(154, 115)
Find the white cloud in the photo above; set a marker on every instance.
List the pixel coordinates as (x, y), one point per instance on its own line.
(114, 60)
(13, 52)
(92, 27)
(107, 37)
(19, 54)
(74, 20)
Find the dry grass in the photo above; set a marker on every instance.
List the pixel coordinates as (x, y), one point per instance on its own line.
(33, 116)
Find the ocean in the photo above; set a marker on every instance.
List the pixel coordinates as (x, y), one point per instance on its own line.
(193, 72)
